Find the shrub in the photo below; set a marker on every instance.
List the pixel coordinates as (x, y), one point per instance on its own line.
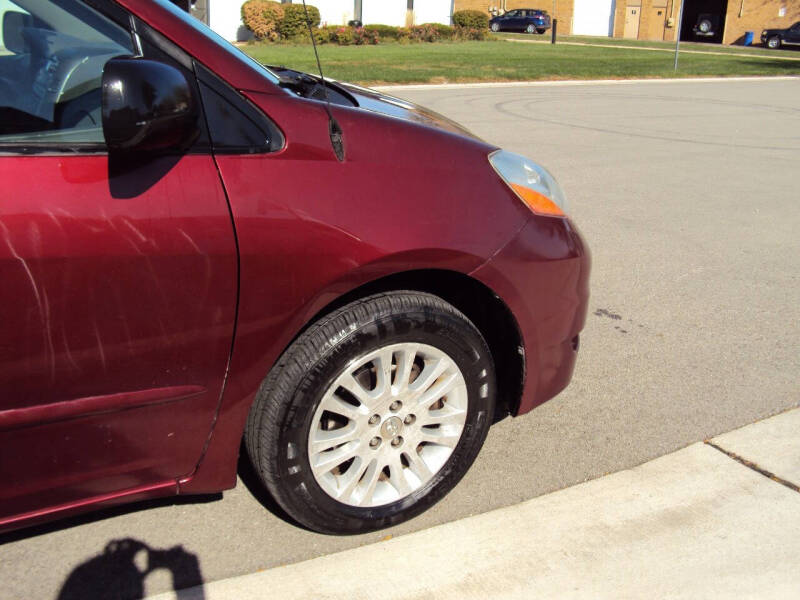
(364, 37)
(385, 32)
(347, 36)
(427, 32)
(262, 18)
(446, 32)
(324, 35)
(343, 36)
(424, 33)
(473, 19)
(403, 35)
(467, 34)
(297, 32)
(294, 20)
(300, 39)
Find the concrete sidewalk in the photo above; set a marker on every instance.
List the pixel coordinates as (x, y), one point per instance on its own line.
(719, 519)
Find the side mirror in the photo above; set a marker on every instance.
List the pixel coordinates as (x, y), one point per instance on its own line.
(147, 106)
(13, 24)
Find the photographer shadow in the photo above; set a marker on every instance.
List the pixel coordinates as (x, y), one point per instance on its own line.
(119, 573)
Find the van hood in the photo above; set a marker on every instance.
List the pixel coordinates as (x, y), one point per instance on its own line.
(375, 101)
(350, 94)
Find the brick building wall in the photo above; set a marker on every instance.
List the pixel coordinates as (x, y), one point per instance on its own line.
(741, 16)
(658, 19)
(560, 9)
(654, 20)
(756, 15)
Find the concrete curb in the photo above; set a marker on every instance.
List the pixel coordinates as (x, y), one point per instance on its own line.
(694, 523)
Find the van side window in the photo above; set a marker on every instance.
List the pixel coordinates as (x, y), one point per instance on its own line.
(51, 66)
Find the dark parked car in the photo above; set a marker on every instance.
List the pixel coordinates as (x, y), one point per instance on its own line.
(775, 38)
(531, 20)
(197, 251)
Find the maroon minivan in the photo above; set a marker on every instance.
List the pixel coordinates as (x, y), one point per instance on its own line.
(196, 251)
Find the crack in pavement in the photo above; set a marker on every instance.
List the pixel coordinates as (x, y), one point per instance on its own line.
(754, 467)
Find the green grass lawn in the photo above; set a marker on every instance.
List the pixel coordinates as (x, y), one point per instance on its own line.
(503, 61)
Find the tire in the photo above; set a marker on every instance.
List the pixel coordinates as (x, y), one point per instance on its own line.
(303, 402)
(495, 27)
(530, 29)
(541, 31)
(774, 42)
(704, 25)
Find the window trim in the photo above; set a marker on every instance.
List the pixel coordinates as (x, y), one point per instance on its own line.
(76, 149)
(139, 32)
(277, 142)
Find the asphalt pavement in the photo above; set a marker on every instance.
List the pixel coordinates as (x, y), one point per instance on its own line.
(687, 192)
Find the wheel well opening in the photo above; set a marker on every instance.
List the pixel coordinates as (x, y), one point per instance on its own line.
(480, 305)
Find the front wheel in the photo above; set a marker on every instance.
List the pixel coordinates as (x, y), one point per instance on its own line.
(530, 29)
(373, 414)
(774, 42)
(495, 27)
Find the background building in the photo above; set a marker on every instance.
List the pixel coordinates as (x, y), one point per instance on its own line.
(658, 19)
(647, 19)
(563, 10)
(634, 19)
(593, 17)
(224, 16)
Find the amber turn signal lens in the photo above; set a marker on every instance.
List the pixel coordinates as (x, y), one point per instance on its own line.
(534, 185)
(537, 202)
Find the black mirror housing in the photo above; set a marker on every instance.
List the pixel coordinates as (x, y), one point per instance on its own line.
(147, 106)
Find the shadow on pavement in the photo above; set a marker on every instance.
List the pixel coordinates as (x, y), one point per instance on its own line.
(119, 573)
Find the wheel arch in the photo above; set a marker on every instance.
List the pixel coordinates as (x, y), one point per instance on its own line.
(217, 467)
(487, 311)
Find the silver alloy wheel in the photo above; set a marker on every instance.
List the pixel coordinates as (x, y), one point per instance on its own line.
(387, 424)
(774, 42)
(495, 27)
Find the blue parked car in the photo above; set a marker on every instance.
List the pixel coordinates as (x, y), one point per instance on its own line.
(531, 20)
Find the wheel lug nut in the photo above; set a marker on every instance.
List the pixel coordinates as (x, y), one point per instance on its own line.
(375, 442)
(395, 406)
(374, 419)
(409, 419)
(397, 441)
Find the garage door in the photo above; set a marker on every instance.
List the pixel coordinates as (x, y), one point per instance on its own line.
(593, 17)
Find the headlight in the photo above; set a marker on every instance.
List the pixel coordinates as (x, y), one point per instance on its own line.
(534, 184)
